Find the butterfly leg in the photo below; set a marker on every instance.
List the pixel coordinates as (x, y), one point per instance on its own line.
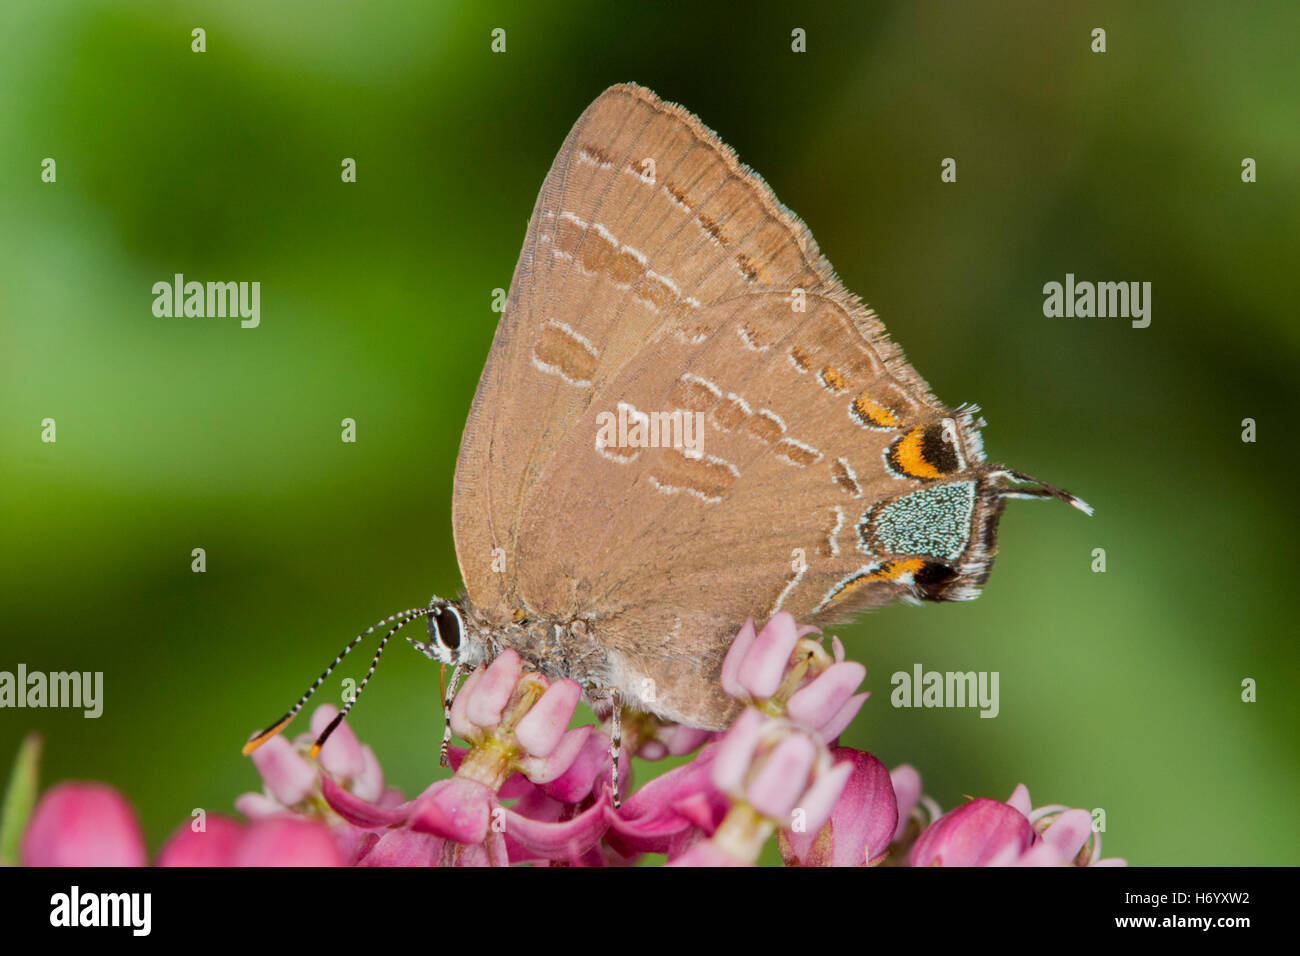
(615, 744)
(448, 698)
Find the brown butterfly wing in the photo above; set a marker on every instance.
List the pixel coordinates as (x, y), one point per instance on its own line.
(587, 293)
(636, 276)
(674, 547)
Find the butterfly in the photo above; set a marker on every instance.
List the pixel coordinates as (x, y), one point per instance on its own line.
(660, 279)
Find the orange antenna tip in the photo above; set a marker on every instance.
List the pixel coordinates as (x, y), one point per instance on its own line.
(325, 734)
(259, 739)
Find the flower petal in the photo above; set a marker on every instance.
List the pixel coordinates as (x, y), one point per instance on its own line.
(358, 812)
(819, 701)
(1068, 833)
(837, 648)
(820, 799)
(782, 778)
(457, 809)
(493, 690)
(680, 739)
(702, 809)
(649, 822)
(764, 665)
(840, 722)
(1019, 800)
(492, 851)
(558, 840)
(906, 781)
(287, 775)
(652, 750)
(540, 730)
(736, 751)
(562, 757)
(341, 755)
(577, 781)
(257, 806)
(403, 847)
(459, 716)
(731, 663)
(1040, 854)
(369, 783)
(705, 853)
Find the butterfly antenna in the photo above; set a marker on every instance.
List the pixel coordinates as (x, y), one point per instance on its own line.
(1041, 489)
(405, 617)
(374, 662)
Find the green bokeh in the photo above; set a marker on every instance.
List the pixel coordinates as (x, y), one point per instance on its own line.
(1118, 690)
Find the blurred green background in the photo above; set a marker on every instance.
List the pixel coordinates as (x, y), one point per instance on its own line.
(1119, 690)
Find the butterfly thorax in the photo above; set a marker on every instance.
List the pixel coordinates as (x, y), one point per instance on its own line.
(557, 649)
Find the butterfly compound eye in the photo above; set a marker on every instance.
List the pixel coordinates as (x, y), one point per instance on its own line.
(448, 627)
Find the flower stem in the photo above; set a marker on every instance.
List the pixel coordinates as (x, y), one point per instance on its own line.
(743, 833)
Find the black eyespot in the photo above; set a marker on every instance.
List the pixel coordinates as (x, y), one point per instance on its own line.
(933, 579)
(937, 448)
(448, 623)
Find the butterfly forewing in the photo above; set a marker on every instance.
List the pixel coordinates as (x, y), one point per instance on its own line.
(644, 219)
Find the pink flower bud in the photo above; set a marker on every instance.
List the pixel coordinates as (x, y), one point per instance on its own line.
(82, 824)
(982, 832)
(286, 841)
(214, 845)
(861, 824)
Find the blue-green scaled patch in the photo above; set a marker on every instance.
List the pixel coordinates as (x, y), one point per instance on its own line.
(934, 521)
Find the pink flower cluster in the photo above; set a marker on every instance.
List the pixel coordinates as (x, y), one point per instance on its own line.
(529, 789)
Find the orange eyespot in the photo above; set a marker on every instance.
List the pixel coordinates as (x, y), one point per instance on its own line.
(832, 379)
(924, 452)
(873, 414)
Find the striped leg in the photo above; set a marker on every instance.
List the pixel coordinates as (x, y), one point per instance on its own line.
(615, 745)
(448, 698)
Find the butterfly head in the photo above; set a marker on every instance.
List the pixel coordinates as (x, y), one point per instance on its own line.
(446, 632)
